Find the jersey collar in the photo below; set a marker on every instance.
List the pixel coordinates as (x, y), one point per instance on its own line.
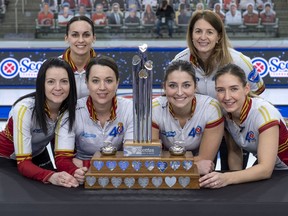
(67, 58)
(193, 107)
(92, 111)
(193, 60)
(244, 110)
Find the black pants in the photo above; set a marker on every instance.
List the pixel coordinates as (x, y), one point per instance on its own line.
(43, 160)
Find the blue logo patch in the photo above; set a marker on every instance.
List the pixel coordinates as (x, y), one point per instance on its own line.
(195, 131)
(87, 135)
(169, 133)
(254, 76)
(250, 136)
(117, 130)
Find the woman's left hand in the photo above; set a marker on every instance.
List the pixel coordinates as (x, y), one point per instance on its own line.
(213, 180)
(63, 179)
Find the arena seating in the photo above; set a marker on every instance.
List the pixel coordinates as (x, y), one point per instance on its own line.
(3, 6)
(141, 30)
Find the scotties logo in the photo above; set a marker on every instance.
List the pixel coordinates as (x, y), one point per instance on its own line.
(260, 66)
(9, 68)
(275, 67)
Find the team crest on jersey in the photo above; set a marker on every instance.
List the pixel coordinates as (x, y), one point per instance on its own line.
(117, 130)
(254, 76)
(250, 136)
(120, 128)
(196, 131)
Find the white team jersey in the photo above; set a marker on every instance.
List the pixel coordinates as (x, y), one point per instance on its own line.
(88, 136)
(206, 85)
(81, 87)
(28, 136)
(82, 90)
(207, 114)
(257, 116)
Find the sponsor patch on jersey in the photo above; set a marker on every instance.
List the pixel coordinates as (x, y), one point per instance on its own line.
(88, 135)
(169, 133)
(254, 76)
(250, 136)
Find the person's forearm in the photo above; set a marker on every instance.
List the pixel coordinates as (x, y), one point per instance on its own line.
(255, 173)
(30, 170)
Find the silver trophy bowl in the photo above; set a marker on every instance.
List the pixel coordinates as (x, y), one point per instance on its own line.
(108, 149)
(177, 149)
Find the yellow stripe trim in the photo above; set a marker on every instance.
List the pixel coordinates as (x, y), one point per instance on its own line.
(155, 104)
(246, 62)
(265, 114)
(217, 106)
(21, 114)
(57, 131)
(283, 146)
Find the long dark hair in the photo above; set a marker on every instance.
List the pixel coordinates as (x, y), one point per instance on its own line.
(40, 98)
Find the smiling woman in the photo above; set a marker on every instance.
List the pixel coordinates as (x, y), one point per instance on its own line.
(57, 88)
(102, 118)
(33, 119)
(80, 35)
(253, 124)
(181, 116)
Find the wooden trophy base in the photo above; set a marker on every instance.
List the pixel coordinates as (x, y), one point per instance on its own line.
(121, 172)
(141, 149)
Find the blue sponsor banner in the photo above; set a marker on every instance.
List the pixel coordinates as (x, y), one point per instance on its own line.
(19, 67)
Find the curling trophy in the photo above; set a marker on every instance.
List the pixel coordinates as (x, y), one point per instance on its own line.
(142, 75)
(142, 164)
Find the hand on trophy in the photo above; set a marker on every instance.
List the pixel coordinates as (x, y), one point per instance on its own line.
(79, 174)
